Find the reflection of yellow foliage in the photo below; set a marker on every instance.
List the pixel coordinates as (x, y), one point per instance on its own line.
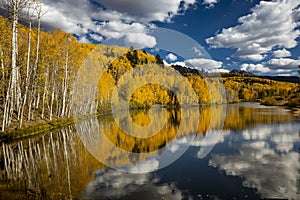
(149, 144)
(241, 117)
(140, 117)
(48, 167)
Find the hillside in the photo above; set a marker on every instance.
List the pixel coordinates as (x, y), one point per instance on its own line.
(239, 87)
(290, 79)
(47, 64)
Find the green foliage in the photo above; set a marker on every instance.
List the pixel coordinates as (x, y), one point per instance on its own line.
(159, 60)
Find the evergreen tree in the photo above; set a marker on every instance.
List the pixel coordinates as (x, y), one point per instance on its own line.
(159, 60)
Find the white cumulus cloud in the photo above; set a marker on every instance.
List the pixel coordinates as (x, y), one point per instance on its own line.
(171, 57)
(96, 37)
(204, 63)
(147, 11)
(140, 40)
(270, 24)
(113, 19)
(255, 68)
(283, 63)
(282, 53)
(283, 66)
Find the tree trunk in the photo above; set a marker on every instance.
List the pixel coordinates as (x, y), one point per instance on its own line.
(27, 76)
(65, 82)
(13, 95)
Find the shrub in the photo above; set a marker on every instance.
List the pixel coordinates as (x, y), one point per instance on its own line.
(268, 101)
(294, 102)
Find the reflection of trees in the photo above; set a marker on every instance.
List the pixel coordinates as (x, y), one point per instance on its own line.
(239, 117)
(149, 144)
(54, 166)
(58, 165)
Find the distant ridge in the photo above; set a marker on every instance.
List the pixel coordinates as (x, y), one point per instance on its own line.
(290, 79)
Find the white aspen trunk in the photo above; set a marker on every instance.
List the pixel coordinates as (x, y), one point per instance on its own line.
(12, 96)
(29, 110)
(32, 97)
(15, 85)
(2, 67)
(27, 76)
(38, 36)
(45, 91)
(52, 92)
(37, 100)
(65, 82)
(6, 108)
(57, 104)
(51, 103)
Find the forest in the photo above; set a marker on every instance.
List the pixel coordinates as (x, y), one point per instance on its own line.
(38, 70)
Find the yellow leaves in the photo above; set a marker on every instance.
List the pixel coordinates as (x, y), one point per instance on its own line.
(254, 88)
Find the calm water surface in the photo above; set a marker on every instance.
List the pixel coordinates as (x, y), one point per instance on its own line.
(242, 151)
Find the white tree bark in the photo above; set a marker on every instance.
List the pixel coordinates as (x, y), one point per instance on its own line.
(27, 75)
(65, 81)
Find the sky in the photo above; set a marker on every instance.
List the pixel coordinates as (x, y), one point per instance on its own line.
(261, 37)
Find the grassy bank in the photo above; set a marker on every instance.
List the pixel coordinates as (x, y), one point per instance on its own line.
(35, 130)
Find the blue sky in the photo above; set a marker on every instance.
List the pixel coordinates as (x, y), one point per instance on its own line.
(257, 36)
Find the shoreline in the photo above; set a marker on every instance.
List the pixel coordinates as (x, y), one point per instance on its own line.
(42, 128)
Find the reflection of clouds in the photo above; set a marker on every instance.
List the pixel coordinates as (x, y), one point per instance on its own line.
(211, 137)
(266, 161)
(206, 141)
(112, 184)
(281, 135)
(144, 166)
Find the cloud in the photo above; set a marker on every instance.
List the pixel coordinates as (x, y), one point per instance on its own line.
(83, 39)
(255, 68)
(140, 40)
(203, 63)
(282, 53)
(210, 3)
(96, 37)
(209, 65)
(253, 57)
(198, 51)
(270, 24)
(285, 66)
(70, 16)
(117, 29)
(147, 11)
(283, 63)
(171, 57)
(109, 18)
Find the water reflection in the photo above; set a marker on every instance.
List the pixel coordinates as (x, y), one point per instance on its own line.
(60, 164)
(267, 159)
(54, 166)
(111, 184)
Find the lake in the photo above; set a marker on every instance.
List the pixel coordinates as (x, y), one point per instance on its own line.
(239, 151)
